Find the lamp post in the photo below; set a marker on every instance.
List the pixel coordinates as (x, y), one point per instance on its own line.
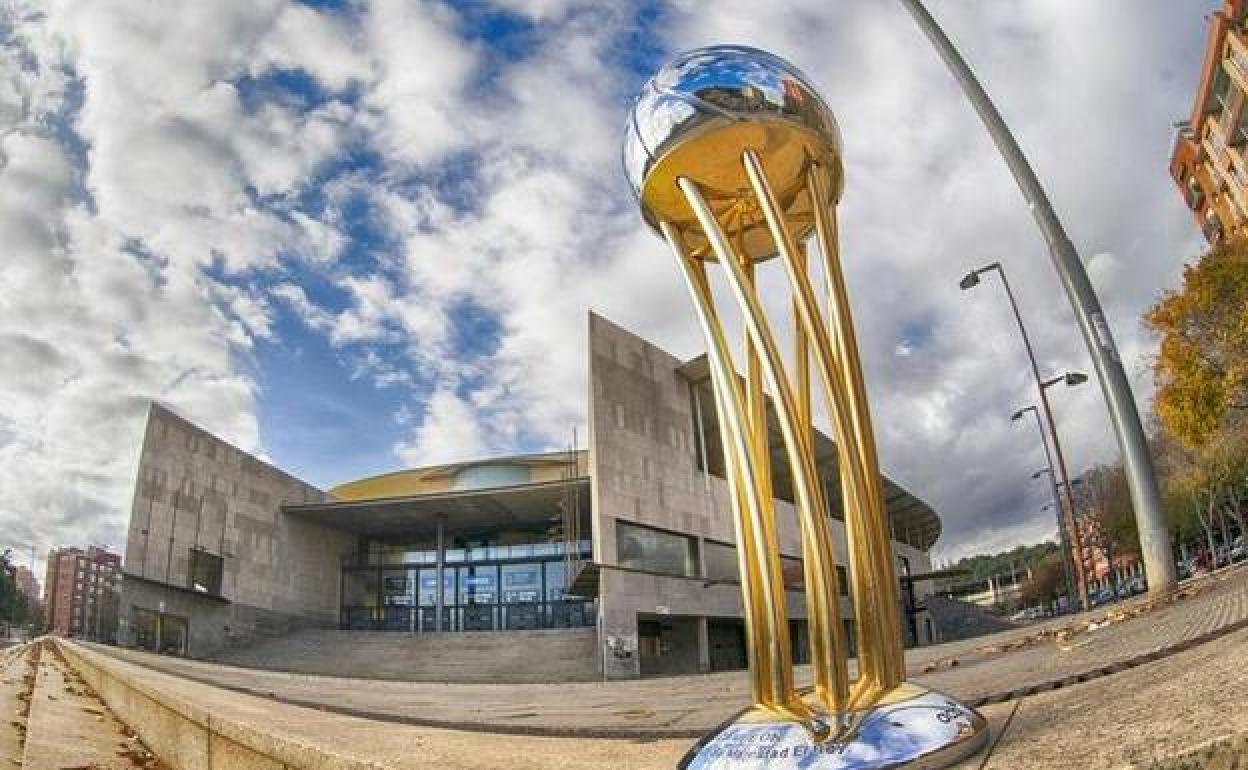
(970, 281)
(1067, 528)
(1062, 539)
(1123, 414)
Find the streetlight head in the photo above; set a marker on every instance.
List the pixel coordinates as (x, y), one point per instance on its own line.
(969, 281)
(1018, 415)
(1075, 378)
(1039, 473)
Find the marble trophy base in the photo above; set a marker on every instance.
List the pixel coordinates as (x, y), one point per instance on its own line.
(910, 727)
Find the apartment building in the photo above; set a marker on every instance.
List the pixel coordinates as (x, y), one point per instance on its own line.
(82, 589)
(1209, 162)
(27, 584)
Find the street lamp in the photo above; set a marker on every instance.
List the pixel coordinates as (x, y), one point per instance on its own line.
(971, 280)
(1067, 528)
(1123, 414)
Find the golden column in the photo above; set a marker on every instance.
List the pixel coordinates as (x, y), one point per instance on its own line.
(736, 160)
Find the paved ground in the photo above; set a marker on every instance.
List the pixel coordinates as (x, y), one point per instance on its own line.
(1135, 718)
(687, 706)
(1147, 713)
(70, 728)
(16, 682)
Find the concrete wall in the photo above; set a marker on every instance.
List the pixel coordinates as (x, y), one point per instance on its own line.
(194, 490)
(644, 469)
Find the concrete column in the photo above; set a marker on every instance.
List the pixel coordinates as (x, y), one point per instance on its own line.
(441, 519)
(704, 644)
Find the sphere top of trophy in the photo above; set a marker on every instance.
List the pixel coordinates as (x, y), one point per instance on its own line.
(702, 110)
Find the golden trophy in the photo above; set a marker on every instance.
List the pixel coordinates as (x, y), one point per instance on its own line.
(736, 160)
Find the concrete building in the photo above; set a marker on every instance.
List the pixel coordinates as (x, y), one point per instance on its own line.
(626, 544)
(27, 583)
(81, 593)
(1208, 162)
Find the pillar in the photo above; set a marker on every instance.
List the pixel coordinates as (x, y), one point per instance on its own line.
(704, 645)
(438, 594)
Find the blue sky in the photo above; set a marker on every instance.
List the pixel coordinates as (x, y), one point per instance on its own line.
(359, 236)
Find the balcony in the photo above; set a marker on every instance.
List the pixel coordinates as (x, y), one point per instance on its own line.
(1194, 196)
(1212, 230)
(400, 557)
(1215, 147)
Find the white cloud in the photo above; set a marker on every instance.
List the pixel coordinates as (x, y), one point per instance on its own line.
(420, 70)
(120, 223)
(451, 431)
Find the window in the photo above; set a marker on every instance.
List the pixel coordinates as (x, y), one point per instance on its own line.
(720, 561)
(793, 574)
(205, 572)
(842, 577)
(654, 551)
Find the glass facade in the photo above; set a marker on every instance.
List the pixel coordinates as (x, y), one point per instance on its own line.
(652, 550)
(484, 588)
(719, 561)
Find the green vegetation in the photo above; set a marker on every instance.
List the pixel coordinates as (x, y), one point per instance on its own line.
(15, 609)
(984, 565)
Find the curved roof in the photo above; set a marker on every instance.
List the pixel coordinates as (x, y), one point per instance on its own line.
(441, 478)
(911, 519)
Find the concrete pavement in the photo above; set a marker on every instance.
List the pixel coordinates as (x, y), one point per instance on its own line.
(686, 706)
(1158, 716)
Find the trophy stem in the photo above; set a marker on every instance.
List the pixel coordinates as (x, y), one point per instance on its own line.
(823, 613)
(884, 644)
(762, 590)
(879, 668)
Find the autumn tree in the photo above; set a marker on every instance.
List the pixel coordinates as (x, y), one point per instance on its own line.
(1108, 520)
(1224, 459)
(1046, 581)
(1201, 368)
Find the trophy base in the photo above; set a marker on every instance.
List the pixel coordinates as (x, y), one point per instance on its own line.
(910, 727)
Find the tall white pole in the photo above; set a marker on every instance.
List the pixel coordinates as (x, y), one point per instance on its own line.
(1136, 459)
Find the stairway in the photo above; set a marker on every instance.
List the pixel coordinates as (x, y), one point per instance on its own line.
(52, 719)
(553, 655)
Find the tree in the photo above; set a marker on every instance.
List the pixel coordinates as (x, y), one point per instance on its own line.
(1045, 584)
(1202, 366)
(1108, 520)
(1224, 459)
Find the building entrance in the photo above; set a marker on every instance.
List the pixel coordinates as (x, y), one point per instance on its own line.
(160, 632)
(489, 588)
(726, 638)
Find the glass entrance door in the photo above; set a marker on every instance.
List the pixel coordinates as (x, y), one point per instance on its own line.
(478, 594)
(522, 593)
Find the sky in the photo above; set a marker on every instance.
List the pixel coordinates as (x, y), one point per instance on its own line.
(353, 237)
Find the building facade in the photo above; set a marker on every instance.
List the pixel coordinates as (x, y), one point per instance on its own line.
(27, 583)
(82, 590)
(629, 540)
(1209, 162)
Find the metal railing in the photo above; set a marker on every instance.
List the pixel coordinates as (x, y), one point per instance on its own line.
(515, 616)
(457, 556)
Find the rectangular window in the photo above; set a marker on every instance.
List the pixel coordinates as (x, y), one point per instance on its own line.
(720, 561)
(842, 577)
(794, 576)
(651, 550)
(205, 572)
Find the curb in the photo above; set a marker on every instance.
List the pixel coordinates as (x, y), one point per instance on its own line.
(184, 735)
(1108, 669)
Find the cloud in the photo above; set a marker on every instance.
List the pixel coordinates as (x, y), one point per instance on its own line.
(442, 205)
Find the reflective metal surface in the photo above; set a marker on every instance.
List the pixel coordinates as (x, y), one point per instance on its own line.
(729, 98)
(928, 730)
(735, 159)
